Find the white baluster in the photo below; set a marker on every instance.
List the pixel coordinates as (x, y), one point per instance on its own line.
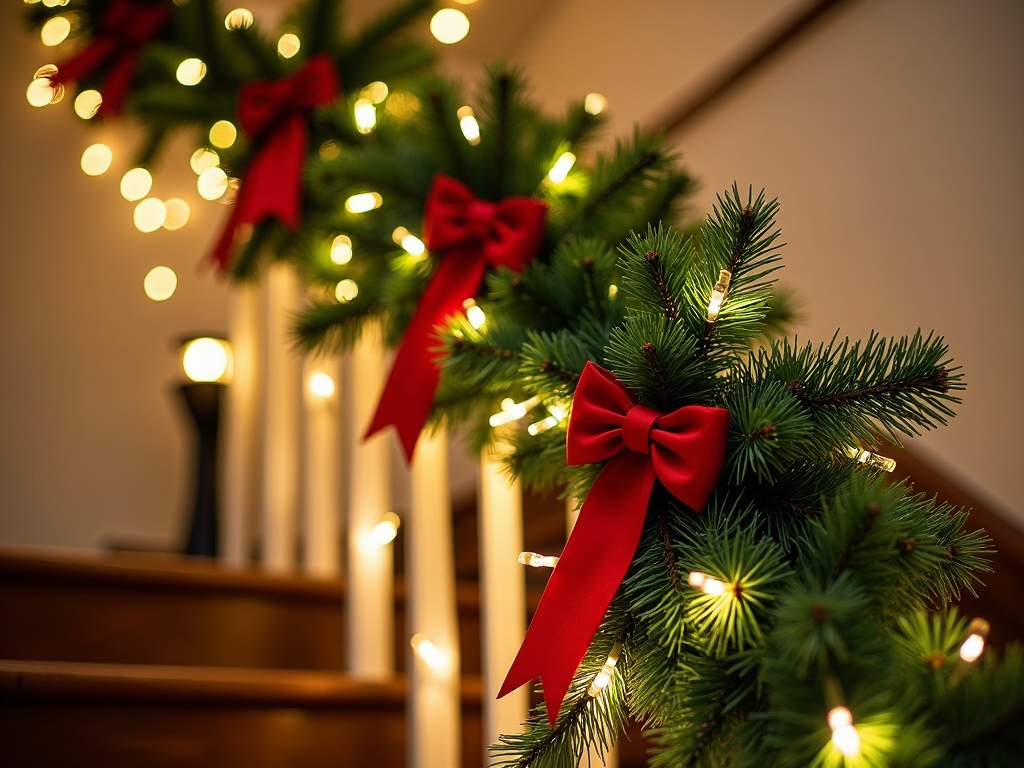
(435, 721)
(321, 469)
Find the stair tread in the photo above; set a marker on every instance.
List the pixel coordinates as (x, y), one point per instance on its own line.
(49, 680)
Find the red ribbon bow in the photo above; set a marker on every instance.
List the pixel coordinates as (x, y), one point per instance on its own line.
(273, 115)
(683, 449)
(122, 32)
(469, 234)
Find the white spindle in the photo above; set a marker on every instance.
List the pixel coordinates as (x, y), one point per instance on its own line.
(241, 427)
(371, 588)
(435, 714)
(502, 595)
(321, 467)
(281, 371)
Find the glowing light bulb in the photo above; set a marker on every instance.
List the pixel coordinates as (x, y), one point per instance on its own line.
(160, 283)
(535, 560)
(449, 25)
(288, 45)
(178, 213)
(883, 463)
(512, 411)
(557, 414)
(321, 385)
(55, 31)
(474, 314)
(386, 530)
(604, 677)
(135, 184)
(207, 359)
(239, 18)
(706, 584)
(191, 72)
(42, 90)
(974, 645)
(363, 202)
(594, 103)
(203, 159)
(409, 242)
(433, 656)
(403, 105)
(844, 735)
(376, 91)
(341, 249)
(96, 159)
(346, 290)
(613, 291)
(223, 134)
(329, 150)
(365, 115)
(469, 125)
(560, 170)
(212, 183)
(87, 104)
(150, 214)
(718, 294)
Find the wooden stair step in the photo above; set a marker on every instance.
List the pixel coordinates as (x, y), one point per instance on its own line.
(111, 715)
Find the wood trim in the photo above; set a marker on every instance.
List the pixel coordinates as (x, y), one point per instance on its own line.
(52, 681)
(755, 57)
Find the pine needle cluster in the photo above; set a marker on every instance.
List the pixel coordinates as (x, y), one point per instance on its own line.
(834, 584)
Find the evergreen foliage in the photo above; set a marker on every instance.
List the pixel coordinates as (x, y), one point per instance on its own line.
(836, 583)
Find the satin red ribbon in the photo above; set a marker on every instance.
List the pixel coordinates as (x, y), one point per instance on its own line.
(684, 449)
(121, 34)
(273, 115)
(468, 234)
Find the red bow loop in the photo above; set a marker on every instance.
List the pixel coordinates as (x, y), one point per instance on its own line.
(273, 114)
(467, 234)
(121, 33)
(684, 449)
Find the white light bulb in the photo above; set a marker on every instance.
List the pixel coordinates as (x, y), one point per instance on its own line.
(321, 385)
(560, 170)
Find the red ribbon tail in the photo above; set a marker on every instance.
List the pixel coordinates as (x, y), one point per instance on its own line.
(409, 391)
(587, 576)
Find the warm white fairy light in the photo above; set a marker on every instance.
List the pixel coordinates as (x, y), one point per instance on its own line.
(341, 249)
(363, 202)
(239, 18)
(433, 656)
(212, 183)
(87, 104)
(972, 648)
(560, 170)
(594, 103)
(604, 677)
(203, 159)
(376, 91)
(96, 159)
(535, 560)
(844, 735)
(191, 72)
(135, 184)
(718, 294)
(706, 584)
(178, 213)
(469, 125)
(288, 45)
(55, 31)
(613, 291)
(207, 359)
(365, 115)
(449, 26)
(403, 105)
(43, 90)
(320, 385)
(512, 411)
(474, 314)
(329, 150)
(557, 415)
(150, 214)
(409, 242)
(160, 283)
(883, 463)
(223, 134)
(346, 290)
(386, 530)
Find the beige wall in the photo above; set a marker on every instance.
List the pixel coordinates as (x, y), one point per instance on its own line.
(891, 133)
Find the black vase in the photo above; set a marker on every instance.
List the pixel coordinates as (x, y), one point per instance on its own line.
(203, 400)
